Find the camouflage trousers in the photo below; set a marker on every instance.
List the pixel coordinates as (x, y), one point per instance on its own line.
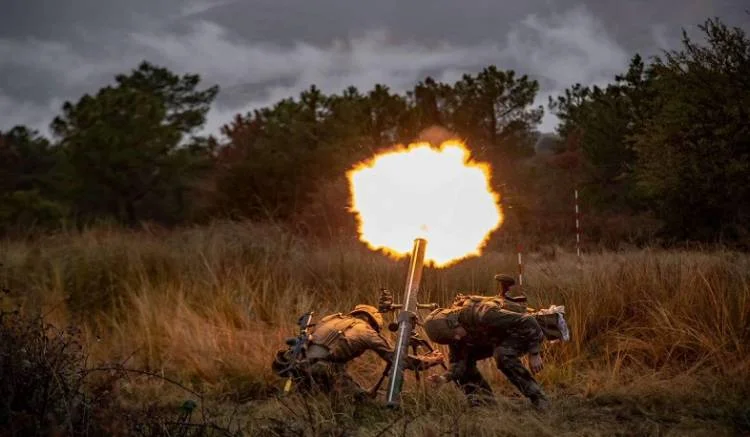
(472, 383)
(507, 360)
(332, 378)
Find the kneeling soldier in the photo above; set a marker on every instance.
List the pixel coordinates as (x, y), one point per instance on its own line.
(339, 338)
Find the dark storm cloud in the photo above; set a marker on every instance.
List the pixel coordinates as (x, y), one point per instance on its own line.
(264, 50)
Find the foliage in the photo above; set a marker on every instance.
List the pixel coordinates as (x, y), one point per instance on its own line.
(124, 145)
(657, 335)
(29, 180)
(663, 147)
(600, 123)
(492, 112)
(670, 137)
(41, 383)
(694, 151)
(48, 388)
(276, 160)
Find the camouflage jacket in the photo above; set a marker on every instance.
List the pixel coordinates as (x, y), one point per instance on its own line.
(489, 324)
(346, 337)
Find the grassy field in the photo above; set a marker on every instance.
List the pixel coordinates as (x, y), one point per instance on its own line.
(660, 339)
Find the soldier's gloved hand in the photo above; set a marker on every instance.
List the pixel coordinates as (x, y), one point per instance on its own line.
(535, 362)
(385, 302)
(433, 358)
(437, 379)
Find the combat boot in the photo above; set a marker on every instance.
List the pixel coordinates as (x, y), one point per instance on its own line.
(482, 400)
(541, 403)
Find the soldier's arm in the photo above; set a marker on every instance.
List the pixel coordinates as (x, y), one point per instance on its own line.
(532, 333)
(534, 343)
(380, 345)
(456, 358)
(523, 328)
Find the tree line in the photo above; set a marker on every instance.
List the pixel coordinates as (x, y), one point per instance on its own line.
(661, 152)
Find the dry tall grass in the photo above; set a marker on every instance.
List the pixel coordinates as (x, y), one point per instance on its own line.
(210, 306)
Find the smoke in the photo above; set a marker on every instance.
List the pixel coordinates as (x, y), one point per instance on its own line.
(436, 135)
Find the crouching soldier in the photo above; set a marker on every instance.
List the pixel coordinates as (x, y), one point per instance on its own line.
(478, 328)
(338, 339)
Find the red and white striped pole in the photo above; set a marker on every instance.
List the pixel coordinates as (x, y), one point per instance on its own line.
(519, 250)
(578, 230)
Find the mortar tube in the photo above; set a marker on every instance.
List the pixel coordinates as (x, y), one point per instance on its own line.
(405, 322)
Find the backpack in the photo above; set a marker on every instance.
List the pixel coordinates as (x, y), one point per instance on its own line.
(553, 324)
(330, 333)
(462, 300)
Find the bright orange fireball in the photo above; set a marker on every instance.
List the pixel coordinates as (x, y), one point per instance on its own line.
(421, 191)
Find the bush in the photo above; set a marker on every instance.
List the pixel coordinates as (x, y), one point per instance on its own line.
(41, 378)
(46, 388)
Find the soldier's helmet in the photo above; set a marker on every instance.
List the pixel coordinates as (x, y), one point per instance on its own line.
(504, 279)
(375, 318)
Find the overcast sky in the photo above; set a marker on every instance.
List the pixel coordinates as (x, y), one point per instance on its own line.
(260, 51)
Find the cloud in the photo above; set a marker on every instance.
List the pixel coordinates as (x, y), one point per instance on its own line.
(211, 51)
(559, 50)
(564, 49)
(198, 7)
(60, 60)
(567, 48)
(664, 39)
(43, 74)
(285, 71)
(35, 116)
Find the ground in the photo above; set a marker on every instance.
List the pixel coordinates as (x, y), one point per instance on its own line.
(659, 337)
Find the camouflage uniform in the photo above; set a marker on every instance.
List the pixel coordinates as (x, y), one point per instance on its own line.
(335, 341)
(492, 331)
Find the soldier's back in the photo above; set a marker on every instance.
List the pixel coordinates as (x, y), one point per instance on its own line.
(491, 318)
(346, 337)
(330, 334)
(462, 300)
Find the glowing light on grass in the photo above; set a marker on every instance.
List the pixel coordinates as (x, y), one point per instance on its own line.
(437, 193)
